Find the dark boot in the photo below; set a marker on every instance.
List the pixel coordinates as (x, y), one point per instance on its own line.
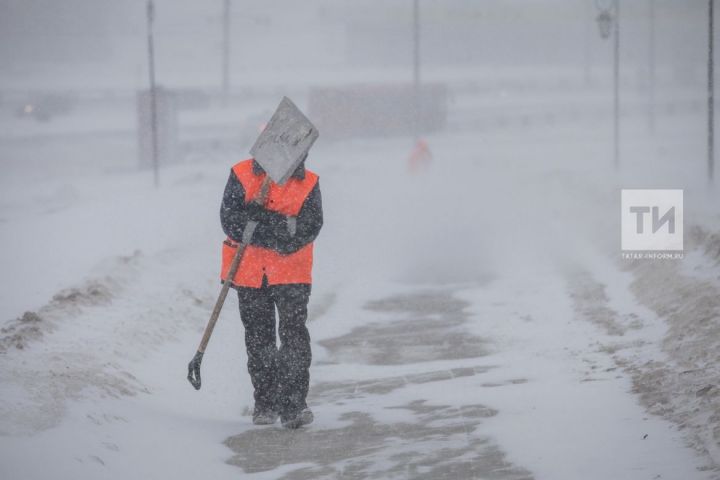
(264, 417)
(299, 419)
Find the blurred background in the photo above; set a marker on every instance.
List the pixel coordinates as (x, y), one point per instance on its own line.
(471, 153)
(446, 108)
(223, 64)
(551, 104)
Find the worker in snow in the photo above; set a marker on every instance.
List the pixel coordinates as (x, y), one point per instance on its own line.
(275, 272)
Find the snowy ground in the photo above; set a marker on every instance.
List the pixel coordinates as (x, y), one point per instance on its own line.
(473, 320)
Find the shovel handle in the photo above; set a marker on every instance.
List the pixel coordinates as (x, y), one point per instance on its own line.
(247, 237)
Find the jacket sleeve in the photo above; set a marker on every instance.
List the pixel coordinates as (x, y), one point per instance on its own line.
(233, 215)
(273, 230)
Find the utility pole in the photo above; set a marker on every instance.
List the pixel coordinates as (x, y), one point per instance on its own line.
(416, 70)
(153, 93)
(651, 68)
(616, 84)
(588, 45)
(711, 94)
(226, 52)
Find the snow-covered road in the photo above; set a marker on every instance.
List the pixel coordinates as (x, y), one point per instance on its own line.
(459, 317)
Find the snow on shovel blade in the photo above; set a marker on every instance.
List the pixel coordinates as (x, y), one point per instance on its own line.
(285, 141)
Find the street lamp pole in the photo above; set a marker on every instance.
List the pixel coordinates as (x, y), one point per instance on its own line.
(616, 84)
(588, 46)
(226, 52)
(609, 18)
(651, 68)
(416, 69)
(711, 94)
(153, 92)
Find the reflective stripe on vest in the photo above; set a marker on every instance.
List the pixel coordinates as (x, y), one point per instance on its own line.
(257, 262)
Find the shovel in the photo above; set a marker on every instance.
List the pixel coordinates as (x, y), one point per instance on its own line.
(194, 365)
(279, 150)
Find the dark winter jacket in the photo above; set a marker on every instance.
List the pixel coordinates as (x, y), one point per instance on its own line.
(273, 230)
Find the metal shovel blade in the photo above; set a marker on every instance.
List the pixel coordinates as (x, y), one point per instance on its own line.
(284, 143)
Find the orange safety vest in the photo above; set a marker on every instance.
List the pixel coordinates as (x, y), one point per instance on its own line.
(257, 262)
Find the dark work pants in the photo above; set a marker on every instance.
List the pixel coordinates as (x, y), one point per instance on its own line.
(280, 376)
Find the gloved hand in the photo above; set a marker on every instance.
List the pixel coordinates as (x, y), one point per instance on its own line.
(262, 215)
(255, 211)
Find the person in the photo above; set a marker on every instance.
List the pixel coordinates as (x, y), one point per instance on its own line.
(275, 272)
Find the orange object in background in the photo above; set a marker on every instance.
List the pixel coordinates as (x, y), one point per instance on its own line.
(420, 157)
